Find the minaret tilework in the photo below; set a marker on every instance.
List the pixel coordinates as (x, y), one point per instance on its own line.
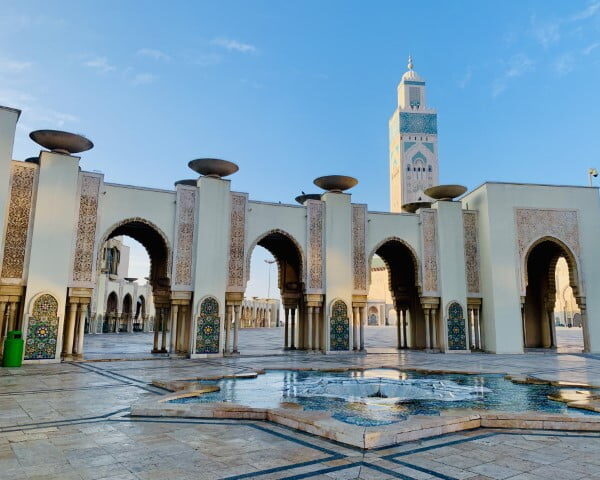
(413, 143)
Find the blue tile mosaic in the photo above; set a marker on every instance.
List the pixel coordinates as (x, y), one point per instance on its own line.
(418, 123)
(457, 337)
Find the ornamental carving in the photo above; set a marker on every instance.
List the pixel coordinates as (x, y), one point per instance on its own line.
(339, 327)
(42, 329)
(471, 242)
(236, 242)
(208, 327)
(457, 335)
(315, 210)
(359, 262)
(186, 207)
(430, 263)
(86, 228)
(18, 220)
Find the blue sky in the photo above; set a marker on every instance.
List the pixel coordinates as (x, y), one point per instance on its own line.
(294, 90)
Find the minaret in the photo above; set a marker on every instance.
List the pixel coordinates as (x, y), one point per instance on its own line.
(413, 143)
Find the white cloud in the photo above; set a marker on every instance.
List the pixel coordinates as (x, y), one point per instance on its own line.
(233, 45)
(13, 66)
(143, 78)
(517, 66)
(564, 64)
(590, 48)
(206, 60)
(545, 32)
(154, 54)
(34, 113)
(465, 79)
(100, 64)
(588, 12)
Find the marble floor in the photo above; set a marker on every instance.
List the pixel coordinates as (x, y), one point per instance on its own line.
(71, 421)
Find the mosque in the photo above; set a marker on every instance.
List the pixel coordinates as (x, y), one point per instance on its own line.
(454, 271)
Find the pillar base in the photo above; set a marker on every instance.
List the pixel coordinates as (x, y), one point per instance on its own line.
(232, 354)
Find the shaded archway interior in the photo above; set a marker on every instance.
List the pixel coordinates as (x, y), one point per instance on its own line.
(539, 328)
(289, 262)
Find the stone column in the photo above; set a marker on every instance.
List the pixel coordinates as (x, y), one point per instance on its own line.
(427, 334)
(155, 327)
(174, 320)
(293, 321)
(581, 303)
(355, 319)
(81, 330)
(399, 323)
(12, 315)
(477, 328)
(363, 320)
(318, 327)
(165, 327)
(286, 332)
(309, 329)
(236, 327)
(434, 328)
(70, 329)
(2, 324)
(228, 315)
(405, 326)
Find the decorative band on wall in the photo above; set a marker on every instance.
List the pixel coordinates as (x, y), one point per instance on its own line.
(315, 209)
(42, 329)
(86, 230)
(184, 236)
(208, 328)
(339, 327)
(237, 241)
(471, 242)
(359, 260)
(430, 264)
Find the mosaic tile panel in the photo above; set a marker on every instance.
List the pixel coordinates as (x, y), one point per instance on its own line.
(42, 330)
(418, 123)
(209, 327)
(17, 228)
(339, 327)
(457, 337)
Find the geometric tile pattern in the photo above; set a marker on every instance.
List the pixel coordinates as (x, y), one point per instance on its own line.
(457, 338)
(42, 329)
(339, 334)
(209, 327)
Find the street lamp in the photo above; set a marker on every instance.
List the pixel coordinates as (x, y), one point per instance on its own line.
(592, 172)
(269, 263)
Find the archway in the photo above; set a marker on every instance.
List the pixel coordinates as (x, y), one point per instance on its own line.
(394, 282)
(541, 302)
(111, 312)
(275, 267)
(134, 259)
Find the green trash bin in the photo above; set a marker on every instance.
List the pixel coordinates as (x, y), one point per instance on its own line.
(13, 349)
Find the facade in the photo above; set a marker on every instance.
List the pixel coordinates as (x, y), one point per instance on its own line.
(119, 303)
(477, 273)
(260, 313)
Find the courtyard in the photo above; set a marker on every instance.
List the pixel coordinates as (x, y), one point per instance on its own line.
(72, 421)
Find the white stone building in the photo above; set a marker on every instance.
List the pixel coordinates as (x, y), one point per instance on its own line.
(478, 272)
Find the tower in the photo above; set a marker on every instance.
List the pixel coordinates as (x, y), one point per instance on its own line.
(413, 143)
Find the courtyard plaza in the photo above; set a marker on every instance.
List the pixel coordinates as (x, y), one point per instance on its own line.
(72, 421)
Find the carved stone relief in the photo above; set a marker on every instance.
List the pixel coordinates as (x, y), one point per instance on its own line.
(18, 219)
(186, 204)
(471, 242)
(430, 264)
(237, 241)
(359, 262)
(86, 229)
(315, 210)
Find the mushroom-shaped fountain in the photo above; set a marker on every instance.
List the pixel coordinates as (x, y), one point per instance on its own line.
(130, 279)
(33, 160)
(445, 192)
(414, 206)
(191, 182)
(301, 199)
(213, 167)
(61, 142)
(335, 183)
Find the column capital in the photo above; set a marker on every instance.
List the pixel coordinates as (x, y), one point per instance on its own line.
(473, 302)
(234, 298)
(313, 299)
(359, 300)
(430, 302)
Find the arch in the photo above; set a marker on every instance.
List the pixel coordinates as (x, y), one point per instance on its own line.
(275, 241)
(408, 246)
(154, 241)
(208, 326)
(539, 297)
(42, 328)
(127, 305)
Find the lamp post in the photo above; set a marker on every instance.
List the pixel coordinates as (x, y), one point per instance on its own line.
(592, 172)
(269, 263)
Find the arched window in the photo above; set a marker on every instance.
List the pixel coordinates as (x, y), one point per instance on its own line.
(408, 168)
(429, 168)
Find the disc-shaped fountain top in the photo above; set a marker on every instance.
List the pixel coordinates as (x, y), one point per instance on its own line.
(445, 192)
(61, 142)
(307, 196)
(192, 182)
(414, 206)
(131, 279)
(335, 183)
(213, 167)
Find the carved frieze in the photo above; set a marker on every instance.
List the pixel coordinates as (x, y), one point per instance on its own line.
(86, 229)
(315, 210)
(186, 208)
(359, 262)
(236, 242)
(430, 263)
(471, 242)
(18, 220)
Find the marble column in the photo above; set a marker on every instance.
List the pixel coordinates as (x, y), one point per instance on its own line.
(477, 329)
(355, 319)
(309, 329)
(293, 322)
(318, 327)
(434, 328)
(236, 327)
(174, 320)
(399, 327)
(427, 334)
(70, 329)
(2, 319)
(228, 315)
(12, 315)
(81, 327)
(286, 332)
(363, 320)
(405, 326)
(164, 325)
(155, 327)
